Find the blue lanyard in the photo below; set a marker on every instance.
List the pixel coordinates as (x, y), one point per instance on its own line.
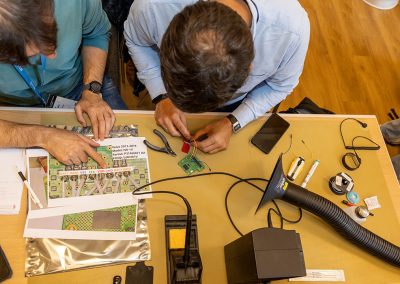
(28, 80)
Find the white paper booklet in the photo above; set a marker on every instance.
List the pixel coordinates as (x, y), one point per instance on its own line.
(86, 202)
(11, 186)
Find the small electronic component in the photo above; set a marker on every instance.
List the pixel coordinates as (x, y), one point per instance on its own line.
(345, 202)
(295, 168)
(191, 164)
(186, 147)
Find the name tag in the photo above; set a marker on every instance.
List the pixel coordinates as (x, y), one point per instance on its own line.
(60, 102)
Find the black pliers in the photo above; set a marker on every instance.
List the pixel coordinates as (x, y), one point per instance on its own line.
(167, 149)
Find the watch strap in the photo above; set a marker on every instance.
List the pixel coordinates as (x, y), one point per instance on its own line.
(159, 98)
(94, 87)
(235, 123)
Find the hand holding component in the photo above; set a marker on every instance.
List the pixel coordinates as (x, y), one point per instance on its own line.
(171, 119)
(218, 136)
(166, 149)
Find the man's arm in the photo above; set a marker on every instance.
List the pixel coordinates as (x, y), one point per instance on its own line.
(67, 147)
(95, 36)
(141, 38)
(275, 89)
(262, 98)
(99, 112)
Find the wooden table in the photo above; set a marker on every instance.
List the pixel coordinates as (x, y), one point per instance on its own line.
(314, 137)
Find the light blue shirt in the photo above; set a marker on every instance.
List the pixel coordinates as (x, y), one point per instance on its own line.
(281, 32)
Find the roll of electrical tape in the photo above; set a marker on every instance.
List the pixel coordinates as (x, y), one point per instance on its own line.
(341, 184)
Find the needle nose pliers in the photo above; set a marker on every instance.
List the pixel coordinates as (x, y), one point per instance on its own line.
(167, 149)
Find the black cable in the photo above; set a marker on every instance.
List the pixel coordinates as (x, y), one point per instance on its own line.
(188, 220)
(363, 137)
(193, 176)
(290, 145)
(279, 213)
(227, 195)
(353, 161)
(352, 147)
(340, 127)
(240, 180)
(269, 218)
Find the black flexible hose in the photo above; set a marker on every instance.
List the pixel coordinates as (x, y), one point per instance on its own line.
(342, 223)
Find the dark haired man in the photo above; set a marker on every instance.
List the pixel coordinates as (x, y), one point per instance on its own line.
(56, 48)
(239, 56)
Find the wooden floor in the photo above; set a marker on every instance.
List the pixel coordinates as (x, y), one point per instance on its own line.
(353, 62)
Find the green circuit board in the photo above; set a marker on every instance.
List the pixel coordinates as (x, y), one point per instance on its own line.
(191, 164)
(120, 219)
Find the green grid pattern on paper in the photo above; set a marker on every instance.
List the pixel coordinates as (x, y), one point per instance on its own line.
(84, 221)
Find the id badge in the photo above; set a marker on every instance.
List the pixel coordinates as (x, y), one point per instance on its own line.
(60, 102)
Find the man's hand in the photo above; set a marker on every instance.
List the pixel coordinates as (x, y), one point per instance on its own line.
(100, 114)
(171, 119)
(219, 133)
(70, 148)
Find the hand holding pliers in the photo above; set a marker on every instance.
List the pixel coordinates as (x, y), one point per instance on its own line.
(167, 149)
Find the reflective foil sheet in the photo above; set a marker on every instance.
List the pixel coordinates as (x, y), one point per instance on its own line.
(45, 256)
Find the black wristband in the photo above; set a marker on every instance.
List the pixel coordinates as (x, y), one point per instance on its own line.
(94, 87)
(235, 123)
(159, 98)
(353, 164)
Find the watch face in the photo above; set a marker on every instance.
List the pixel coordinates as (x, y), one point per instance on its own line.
(95, 87)
(235, 123)
(236, 127)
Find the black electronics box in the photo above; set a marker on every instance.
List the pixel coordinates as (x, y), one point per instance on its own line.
(263, 255)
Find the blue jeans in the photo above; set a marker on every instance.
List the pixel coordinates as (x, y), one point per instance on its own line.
(109, 92)
(391, 133)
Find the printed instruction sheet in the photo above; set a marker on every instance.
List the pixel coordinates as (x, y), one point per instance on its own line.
(127, 169)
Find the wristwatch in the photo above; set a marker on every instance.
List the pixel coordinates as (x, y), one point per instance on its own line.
(235, 123)
(94, 87)
(159, 98)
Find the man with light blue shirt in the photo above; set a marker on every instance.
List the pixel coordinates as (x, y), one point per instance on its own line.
(239, 56)
(58, 48)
